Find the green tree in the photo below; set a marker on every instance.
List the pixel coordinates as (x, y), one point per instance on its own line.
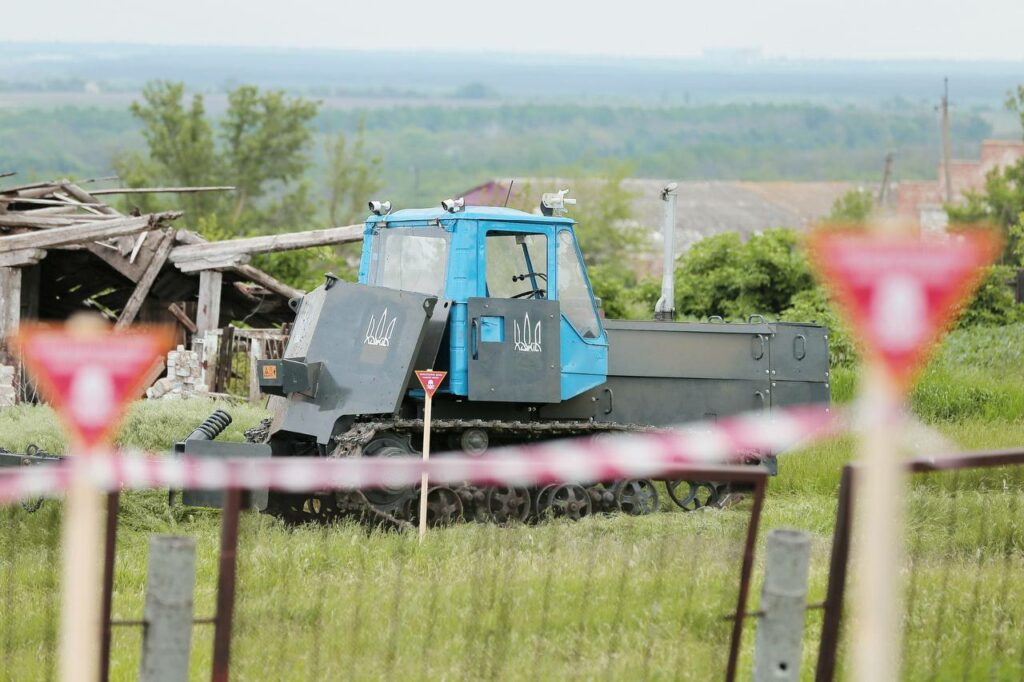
(853, 208)
(352, 177)
(179, 140)
(261, 147)
(722, 275)
(266, 137)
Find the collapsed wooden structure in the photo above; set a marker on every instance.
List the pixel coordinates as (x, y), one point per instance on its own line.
(63, 249)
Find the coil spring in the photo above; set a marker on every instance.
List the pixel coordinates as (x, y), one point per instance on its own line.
(212, 426)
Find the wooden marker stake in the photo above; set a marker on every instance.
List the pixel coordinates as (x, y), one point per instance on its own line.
(426, 457)
(80, 572)
(430, 381)
(879, 514)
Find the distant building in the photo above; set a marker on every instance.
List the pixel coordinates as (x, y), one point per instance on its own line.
(703, 209)
(923, 201)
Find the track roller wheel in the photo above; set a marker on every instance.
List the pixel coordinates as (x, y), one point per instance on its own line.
(568, 501)
(636, 496)
(444, 507)
(474, 503)
(692, 495)
(508, 504)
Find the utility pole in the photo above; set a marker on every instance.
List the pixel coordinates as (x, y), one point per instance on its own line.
(883, 191)
(945, 141)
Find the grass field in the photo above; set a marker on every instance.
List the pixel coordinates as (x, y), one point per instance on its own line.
(611, 598)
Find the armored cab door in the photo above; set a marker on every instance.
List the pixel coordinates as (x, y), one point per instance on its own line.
(514, 350)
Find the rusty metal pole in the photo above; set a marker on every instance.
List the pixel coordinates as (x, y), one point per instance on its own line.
(226, 585)
(748, 567)
(109, 559)
(836, 591)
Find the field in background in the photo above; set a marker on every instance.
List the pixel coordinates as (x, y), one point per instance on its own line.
(534, 601)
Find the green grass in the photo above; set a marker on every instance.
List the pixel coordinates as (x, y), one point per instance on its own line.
(611, 598)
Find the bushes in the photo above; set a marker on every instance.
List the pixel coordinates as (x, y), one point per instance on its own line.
(722, 275)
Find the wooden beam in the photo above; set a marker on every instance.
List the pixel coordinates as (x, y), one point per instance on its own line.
(149, 275)
(208, 316)
(86, 198)
(16, 199)
(269, 244)
(222, 263)
(10, 301)
(159, 190)
(182, 317)
(257, 276)
(88, 232)
(36, 221)
(21, 258)
(249, 272)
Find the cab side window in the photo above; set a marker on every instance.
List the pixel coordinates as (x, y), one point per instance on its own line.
(517, 265)
(573, 293)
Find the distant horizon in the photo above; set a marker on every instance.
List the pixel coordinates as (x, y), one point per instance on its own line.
(870, 30)
(723, 56)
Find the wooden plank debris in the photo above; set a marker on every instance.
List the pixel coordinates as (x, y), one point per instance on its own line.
(74, 234)
(180, 315)
(268, 244)
(156, 263)
(21, 258)
(208, 316)
(159, 190)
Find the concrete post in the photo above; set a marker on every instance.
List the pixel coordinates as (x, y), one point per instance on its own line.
(168, 612)
(780, 630)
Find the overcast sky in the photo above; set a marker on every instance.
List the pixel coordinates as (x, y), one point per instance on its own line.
(874, 29)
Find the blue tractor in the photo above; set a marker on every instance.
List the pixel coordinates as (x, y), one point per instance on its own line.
(500, 299)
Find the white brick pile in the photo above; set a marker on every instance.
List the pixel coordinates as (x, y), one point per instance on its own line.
(7, 394)
(184, 377)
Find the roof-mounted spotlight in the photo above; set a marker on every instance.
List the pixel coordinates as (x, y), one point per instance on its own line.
(380, 207)
(454, 205)
(555, 203)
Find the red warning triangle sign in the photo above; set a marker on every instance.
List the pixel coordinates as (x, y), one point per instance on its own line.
(90, 377)
(900, 293)
(430, 380)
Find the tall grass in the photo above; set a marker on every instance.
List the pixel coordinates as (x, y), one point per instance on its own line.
(611, 597)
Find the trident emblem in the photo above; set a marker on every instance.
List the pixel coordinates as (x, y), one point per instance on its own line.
(527, 338)
(378, 332)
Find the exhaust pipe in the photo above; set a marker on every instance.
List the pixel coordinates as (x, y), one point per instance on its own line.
(665, 308)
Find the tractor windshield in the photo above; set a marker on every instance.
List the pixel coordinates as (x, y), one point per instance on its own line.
(410, 260)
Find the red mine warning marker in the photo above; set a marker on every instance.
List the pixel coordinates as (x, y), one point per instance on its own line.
(430, 380)
(900, 292)
(90, 375)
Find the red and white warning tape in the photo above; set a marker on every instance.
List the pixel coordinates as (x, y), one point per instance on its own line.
(664, 454)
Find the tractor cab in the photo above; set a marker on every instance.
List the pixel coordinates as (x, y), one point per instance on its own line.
(522, 322)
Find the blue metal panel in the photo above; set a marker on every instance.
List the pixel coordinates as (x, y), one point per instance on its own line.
(584, 361)
(364, 259)
(492, 329)
(464, 259)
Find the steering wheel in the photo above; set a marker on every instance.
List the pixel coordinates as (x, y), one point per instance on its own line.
(537, 293)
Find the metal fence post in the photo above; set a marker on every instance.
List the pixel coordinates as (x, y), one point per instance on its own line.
(168, 612)
(836, 592)
(749, 547)
(109, 561)
(226, 585)
(780, 629)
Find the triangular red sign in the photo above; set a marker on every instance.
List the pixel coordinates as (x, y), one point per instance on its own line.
(900, 292)
(89, 378)
(430, 380)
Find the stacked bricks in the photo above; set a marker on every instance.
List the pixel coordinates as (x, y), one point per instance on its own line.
(184, 377)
